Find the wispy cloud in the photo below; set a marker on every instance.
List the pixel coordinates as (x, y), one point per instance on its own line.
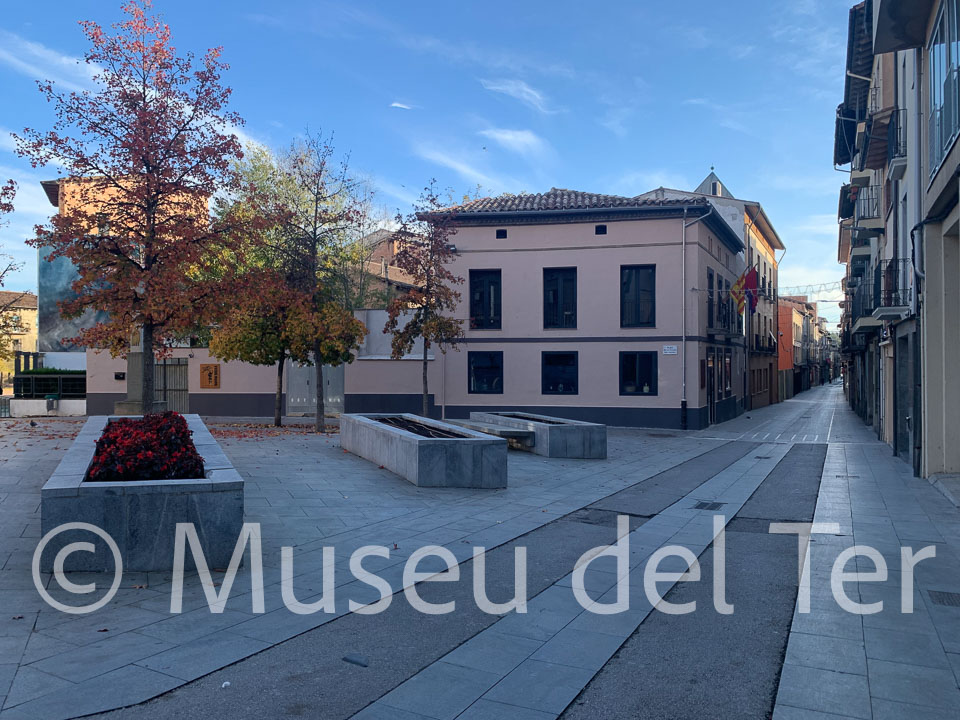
(6, 140)
(519, 90)
(39, 62)
(401, 106)
(820, 226)
(465, 167)
(522, 142)
(822, 184)
(725, 116)
(637, 182)
(395, 190)
(615, 120)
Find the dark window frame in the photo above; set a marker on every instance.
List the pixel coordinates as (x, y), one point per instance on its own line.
(655, 385)
(501, 234)
(543, 376)
(495, 321)
(652, 321)
(474, 354)
(561, 299)
(599, 229)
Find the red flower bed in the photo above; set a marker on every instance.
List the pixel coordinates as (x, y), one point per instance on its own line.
(156, 447)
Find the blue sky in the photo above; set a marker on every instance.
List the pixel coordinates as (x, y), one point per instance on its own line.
(616, 97)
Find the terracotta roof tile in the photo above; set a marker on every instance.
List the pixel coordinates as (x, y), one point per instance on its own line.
(559, 199)
(24, 300)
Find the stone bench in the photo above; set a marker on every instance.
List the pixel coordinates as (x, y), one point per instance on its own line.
(461, 458)
(553, 436)
(517, 438)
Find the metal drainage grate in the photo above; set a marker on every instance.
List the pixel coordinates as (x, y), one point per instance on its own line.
(708, 505)
(938, 597)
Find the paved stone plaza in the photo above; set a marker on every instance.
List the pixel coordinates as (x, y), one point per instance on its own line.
(555, 659)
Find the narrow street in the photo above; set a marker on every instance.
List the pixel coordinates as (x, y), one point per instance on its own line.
(763, 659)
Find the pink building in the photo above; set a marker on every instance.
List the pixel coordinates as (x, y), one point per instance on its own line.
(594, 307)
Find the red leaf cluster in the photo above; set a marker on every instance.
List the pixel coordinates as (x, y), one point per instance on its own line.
(155, 447)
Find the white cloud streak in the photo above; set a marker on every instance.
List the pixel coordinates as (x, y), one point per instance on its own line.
(522, 142)
(39, 62)
(519, 90)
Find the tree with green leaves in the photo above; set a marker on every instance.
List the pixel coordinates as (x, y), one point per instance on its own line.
(307, 209)
(425, 312)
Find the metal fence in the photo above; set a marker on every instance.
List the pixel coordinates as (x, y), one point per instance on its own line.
(39, 386)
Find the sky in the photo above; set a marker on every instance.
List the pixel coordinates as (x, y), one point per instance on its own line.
(613, 97)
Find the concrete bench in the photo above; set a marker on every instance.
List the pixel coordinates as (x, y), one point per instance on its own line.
(517, 438)
(554, 436)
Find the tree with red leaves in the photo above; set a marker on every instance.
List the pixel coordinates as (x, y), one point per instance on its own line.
(143, 151)
(425, 311)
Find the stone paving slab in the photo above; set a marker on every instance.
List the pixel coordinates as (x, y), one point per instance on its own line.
(309, 496)
(889, 664)
(575, 643)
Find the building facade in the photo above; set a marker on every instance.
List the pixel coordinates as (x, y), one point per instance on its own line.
(593, 307)
(20, 316)
(761, 244)
(897, 129)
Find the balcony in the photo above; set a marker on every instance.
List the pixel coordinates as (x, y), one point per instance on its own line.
(897, 145)
(860, 247)
(868, 212)
(892, 289)
(861, 313)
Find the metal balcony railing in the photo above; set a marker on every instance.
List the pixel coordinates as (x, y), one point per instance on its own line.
(868, 202)
(863, 302)
(891, 283)
(897, 135)
(875, 100)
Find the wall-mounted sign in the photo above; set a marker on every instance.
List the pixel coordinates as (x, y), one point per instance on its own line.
(210, 377)
(669, 349)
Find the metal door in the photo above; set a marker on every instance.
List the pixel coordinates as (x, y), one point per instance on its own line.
(301, 392)
(171, 383)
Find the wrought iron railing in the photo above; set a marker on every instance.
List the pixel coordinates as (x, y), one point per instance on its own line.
(868, 202)
(897, 135)
(892, 283)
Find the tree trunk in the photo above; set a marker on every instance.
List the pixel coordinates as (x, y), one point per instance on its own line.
(147, 364)
(320, 425)
(425, 411)
(278, 400)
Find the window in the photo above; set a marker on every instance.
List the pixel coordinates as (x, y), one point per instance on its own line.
(485, 373)
(600, 230)
(558, 374)
(727, 373)
(943, 59)
(485, 300)
(502, 234)
(638, 296)
(638, 373)
(559, 297)
(710, 320)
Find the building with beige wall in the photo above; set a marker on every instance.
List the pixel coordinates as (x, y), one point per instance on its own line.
(761, 243)
(20, 317)
(584, 306)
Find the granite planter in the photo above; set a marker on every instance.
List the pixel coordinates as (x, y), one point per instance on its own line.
(554, 437)
(470, 460)
(141, 516)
